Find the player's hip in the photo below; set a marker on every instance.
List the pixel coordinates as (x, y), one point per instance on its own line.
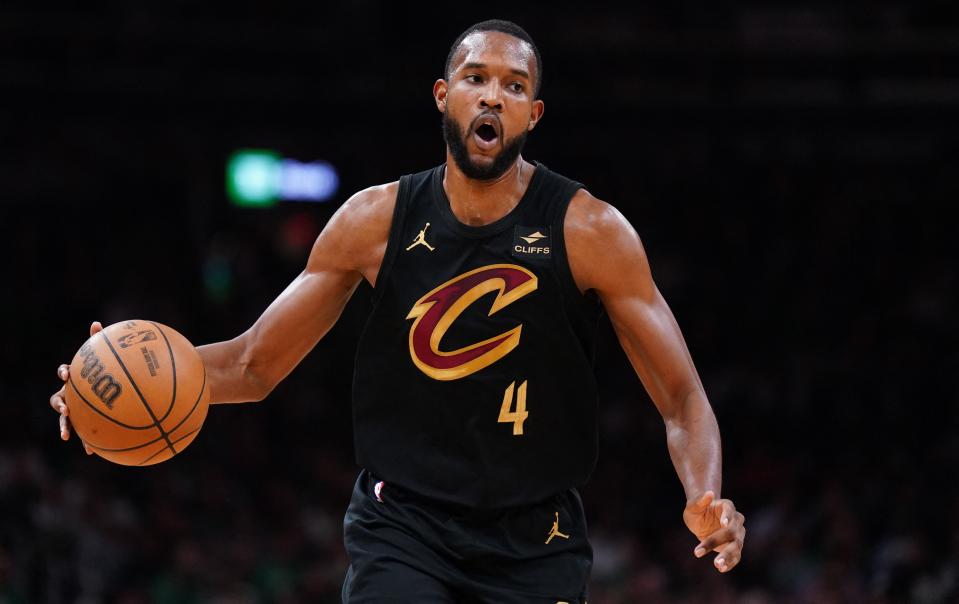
(536, 549)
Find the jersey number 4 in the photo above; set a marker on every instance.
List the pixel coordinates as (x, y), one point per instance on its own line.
(517, 417)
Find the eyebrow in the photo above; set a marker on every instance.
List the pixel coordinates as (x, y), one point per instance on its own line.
(474, 65)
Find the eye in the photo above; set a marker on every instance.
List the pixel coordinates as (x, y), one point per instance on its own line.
(516, 87)
(473, 78)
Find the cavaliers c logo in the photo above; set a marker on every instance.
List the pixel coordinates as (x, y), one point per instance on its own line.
(436, 311)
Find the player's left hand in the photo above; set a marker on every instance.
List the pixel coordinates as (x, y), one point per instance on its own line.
(719, 528)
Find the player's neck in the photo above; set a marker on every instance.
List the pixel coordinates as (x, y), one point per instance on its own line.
(480, 202)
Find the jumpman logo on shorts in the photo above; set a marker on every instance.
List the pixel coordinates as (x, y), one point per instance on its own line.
(421, 240)
(554, 532)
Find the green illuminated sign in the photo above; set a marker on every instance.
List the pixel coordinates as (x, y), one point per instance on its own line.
(253, 178)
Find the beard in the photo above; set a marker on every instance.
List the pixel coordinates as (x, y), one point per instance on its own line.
(456, 143)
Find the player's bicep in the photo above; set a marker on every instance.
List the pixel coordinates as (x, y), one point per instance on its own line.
(296, 320)
(610, 259)
(310, 305)
(654, 344)
(349, 248)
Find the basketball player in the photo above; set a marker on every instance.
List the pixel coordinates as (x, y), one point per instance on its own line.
(474, 400)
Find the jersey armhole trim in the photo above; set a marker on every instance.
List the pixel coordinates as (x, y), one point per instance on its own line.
(561, 258)
(392, 243)
(573, 301)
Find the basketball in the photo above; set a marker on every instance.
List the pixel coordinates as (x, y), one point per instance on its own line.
(137, 393)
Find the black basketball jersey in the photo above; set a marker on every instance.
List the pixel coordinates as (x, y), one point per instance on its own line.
(474, 375)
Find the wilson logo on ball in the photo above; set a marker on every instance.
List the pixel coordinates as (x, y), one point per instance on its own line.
(102, 384)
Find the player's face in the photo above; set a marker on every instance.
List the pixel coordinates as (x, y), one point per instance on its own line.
(488, 105)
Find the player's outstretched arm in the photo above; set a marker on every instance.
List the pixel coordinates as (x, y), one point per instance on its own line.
(607, 256)
(249, 366)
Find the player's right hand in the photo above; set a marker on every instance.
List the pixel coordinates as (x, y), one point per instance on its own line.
(58, 402)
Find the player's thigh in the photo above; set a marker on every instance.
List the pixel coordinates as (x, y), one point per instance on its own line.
(565, 580)
(391, 581)
(547, 558)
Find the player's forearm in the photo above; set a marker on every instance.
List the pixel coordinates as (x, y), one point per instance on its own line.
(692, 436)
(229, 374)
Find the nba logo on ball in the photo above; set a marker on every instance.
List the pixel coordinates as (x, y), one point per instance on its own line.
(130, 339)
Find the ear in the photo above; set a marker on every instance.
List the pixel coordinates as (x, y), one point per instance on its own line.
(536, 114)
(440, 89)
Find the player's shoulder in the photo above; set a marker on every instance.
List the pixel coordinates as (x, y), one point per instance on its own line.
(357, 233)
(600, 243)
(363, 221)
(376, 202)
(589, 219)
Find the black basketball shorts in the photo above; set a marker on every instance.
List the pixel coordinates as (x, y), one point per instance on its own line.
(403, 548)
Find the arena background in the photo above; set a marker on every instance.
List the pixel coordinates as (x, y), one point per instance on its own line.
(791, 167)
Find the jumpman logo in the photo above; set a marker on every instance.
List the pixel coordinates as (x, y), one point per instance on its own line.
(554, 532)
(421, 240)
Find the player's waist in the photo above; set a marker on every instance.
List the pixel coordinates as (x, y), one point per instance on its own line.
(384, 490)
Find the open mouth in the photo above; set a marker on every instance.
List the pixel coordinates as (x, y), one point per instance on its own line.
(486, 132)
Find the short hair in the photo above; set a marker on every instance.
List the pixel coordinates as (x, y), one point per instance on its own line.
(506, 27)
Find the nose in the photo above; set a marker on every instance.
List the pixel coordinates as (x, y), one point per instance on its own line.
(492, 96)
